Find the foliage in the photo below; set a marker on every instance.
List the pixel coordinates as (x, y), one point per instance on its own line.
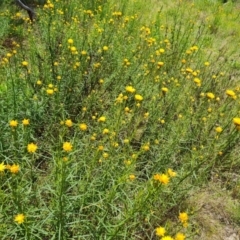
(109, 118)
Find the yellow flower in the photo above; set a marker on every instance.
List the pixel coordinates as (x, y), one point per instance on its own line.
(105, 48)
(83, 126)
(14, 168)
(67, 146)
(236, 121)
(105, 131)
(160, 231)
(32, 148)
(164, 89)
(13, 123)
(231, 94)
(197, 81)
(160, 64)
(2, 167)
(24, 63)
(25, 122)
(73, 49)
(164, 179)
(130, 89)
(171, 173)
(138, 97)
(132, 177)
(183, 217)
(50, 91)
(167, 238)
(146, 147)
(180, 236)
(19, 218)
(156, 177)
(210, 95)
(102, 119)
(218, 129)
(69, 123)
(70, 41)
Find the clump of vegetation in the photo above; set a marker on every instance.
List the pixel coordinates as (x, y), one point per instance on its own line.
(110, 118)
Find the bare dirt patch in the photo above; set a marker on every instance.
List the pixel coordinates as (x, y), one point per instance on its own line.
(216, 214)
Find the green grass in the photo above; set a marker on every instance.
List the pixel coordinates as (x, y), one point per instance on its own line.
(118, 102)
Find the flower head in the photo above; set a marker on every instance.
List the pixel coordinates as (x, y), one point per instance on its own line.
(160, 231)
(132, 177)
(210, 95)
(70, 41)
(171, 173)
(105, 48)
(218, 129)
(25, 122)
(13, 123)
(32, 148)
(2, 167)
(130, 89)
(231, 94)
(180, 236)
(236, 121)
(67, 146)
(69, 123)
(83, 126)
(102, 119)
(24, 63)
(164, 90)
(167, 238)
(14, 168)
(138, 97)
(19, 218)
(183, 217)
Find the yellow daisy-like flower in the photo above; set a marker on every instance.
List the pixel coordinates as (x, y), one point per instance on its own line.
(83, 126)
(24, 63)
(160, 231)
(2, 167)
(231, 94)
(138, 97)
(236, 121)
(164, 90)
(183, 217)
(102, 119)
(180, 236)
(70, 41)
(13, 123)
(130, 89)
(67, 147)
(105, 48)
(50, 91)
(25, 122)
(167, 238)
(171, 173)
(32, 148)
(19, 218)
(164, 179)
(210, 95)
(218, 129)
(105, 131)
(69, 123)
(132, 177)
(14, 168)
